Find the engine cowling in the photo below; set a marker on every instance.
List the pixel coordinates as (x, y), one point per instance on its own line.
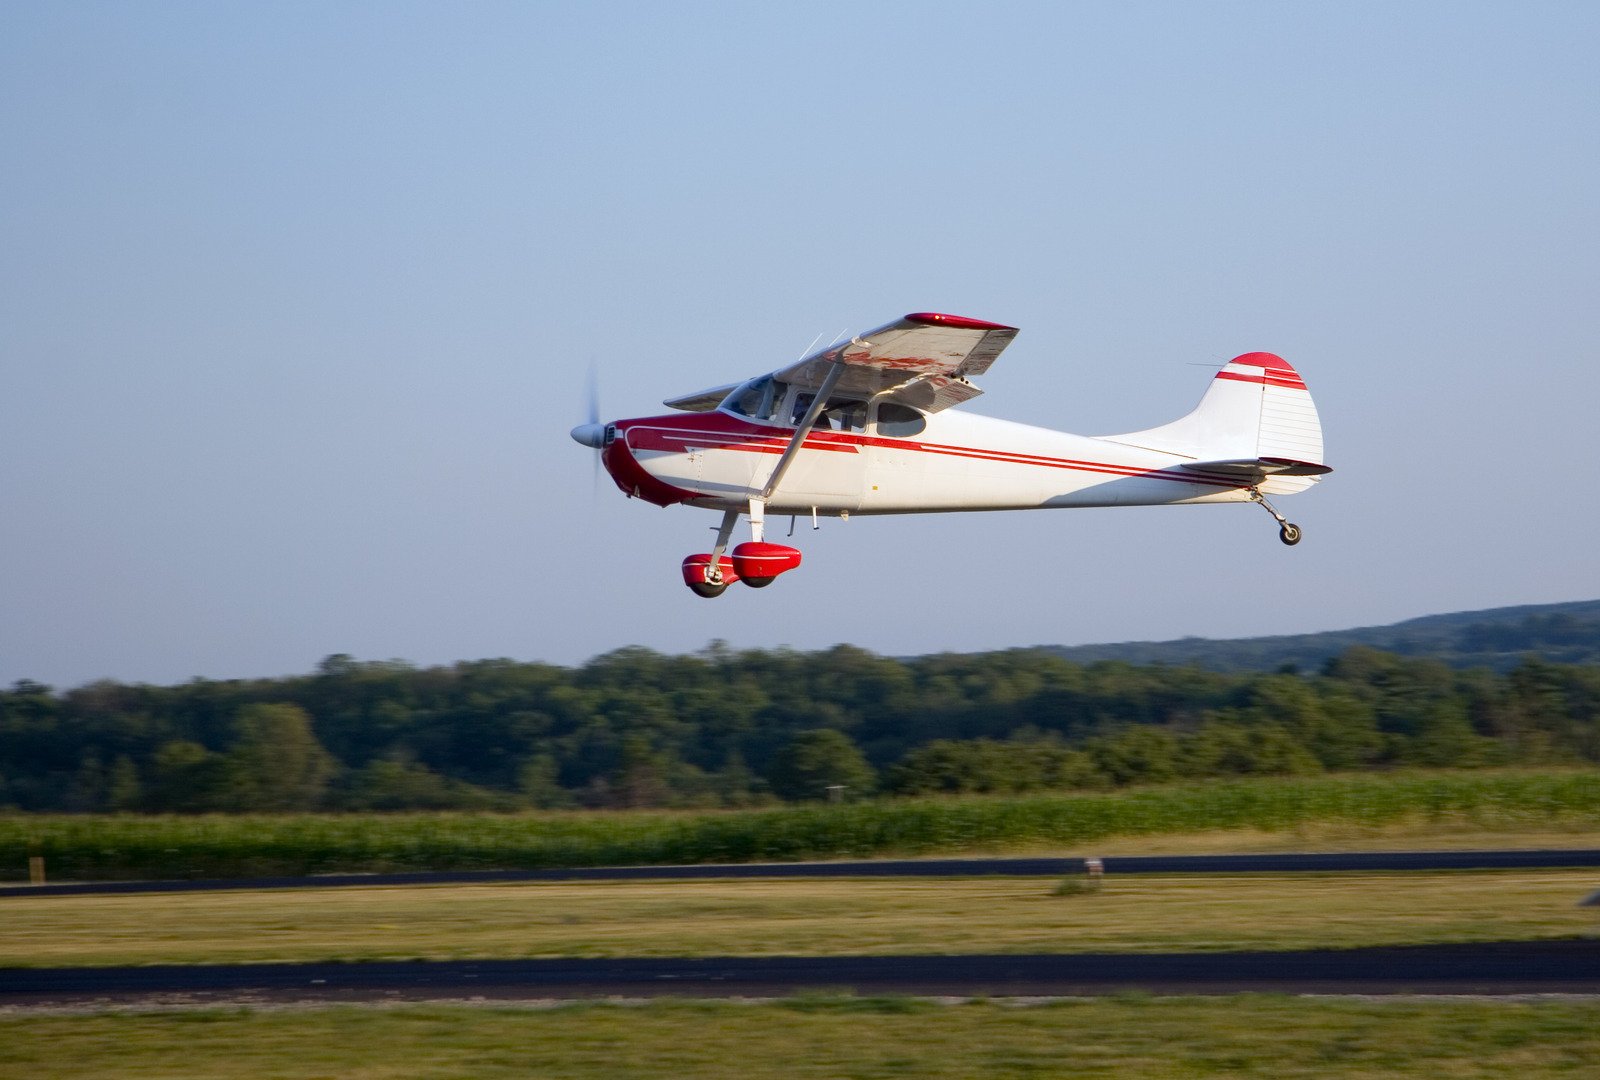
(759, 563)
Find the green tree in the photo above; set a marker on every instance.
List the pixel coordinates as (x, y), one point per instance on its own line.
(1138, 755)
(187, 778)
(1224, 747)
(123, 790)
(88, 791)
(736, 784)
(987, 766)
(397, 784)
(1444, 738)
(816, 760)
(276, 762)
(539, 781)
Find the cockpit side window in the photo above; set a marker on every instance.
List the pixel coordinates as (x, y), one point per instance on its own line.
(846, 415)
(899, 421)
(840, 414)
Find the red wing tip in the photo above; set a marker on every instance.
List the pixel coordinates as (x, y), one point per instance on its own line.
(959, 322)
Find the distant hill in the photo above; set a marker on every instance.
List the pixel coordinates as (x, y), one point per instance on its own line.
(1496, 638)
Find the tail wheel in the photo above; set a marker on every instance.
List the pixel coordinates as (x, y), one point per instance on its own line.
(1290, 533)
(708, 590)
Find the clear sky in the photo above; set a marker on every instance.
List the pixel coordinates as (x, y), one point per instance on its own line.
(297, 302)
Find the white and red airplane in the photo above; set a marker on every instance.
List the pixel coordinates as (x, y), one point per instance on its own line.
(863, 427)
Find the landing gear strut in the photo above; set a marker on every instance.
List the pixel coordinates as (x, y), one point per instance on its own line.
(756, 563)
(1288, 531)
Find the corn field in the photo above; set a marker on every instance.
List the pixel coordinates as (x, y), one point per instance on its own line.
(118, 847)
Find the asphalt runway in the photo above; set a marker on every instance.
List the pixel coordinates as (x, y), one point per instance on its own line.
(1500, 968)
(1325, 862)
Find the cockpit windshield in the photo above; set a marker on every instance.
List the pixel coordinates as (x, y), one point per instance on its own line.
(756, 398)
(764, 398)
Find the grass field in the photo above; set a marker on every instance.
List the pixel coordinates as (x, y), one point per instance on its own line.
(818, 1036)
(90, 847)
(827, 1038)
(796, 917)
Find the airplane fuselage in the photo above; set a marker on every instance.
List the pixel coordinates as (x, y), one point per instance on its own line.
(956, 461)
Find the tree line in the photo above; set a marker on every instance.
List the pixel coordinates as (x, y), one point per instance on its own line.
(1499, 639)
(636, 728)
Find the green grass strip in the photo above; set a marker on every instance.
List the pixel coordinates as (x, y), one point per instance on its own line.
(111, 847)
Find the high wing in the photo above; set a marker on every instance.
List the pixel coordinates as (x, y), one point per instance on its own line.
(924, 358)
(704, 401)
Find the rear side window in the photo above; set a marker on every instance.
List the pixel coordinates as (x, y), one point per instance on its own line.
(900, 421)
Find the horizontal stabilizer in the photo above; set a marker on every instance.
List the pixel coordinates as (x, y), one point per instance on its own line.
(1256, 469)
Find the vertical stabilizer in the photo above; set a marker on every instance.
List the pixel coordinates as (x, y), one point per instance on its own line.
(1256, 407)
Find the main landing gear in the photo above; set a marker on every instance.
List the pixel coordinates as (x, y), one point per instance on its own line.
(1288, 531)
(755, 562)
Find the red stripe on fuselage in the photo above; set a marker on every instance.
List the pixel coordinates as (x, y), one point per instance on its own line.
(671, 434)
(1014, 458)
(679, 441)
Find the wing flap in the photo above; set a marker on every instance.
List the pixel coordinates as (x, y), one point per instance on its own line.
(935, 393)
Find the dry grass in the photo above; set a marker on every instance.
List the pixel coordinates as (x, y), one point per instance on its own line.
(795, 917)
(819, 1037)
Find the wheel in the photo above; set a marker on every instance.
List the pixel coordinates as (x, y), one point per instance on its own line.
(707, 590)
(1289, 534)
(758, 582)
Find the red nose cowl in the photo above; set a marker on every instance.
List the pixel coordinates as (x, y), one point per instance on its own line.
(632, 479)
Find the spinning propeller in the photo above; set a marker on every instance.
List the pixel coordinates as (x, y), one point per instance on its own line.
(593, 433)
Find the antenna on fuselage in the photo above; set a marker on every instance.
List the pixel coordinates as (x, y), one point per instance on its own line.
(812, 348)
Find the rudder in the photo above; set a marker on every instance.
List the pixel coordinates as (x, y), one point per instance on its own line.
(1257, 406)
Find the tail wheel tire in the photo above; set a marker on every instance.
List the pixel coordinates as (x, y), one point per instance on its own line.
(1289, 534)
(708, 590)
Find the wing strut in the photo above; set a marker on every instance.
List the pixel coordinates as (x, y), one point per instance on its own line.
(818, 403)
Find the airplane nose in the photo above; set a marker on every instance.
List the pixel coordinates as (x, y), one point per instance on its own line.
(591, 435)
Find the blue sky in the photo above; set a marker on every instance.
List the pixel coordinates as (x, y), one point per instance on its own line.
(297, 303)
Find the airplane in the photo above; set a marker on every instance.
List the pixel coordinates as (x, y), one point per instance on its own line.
(867, 426)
